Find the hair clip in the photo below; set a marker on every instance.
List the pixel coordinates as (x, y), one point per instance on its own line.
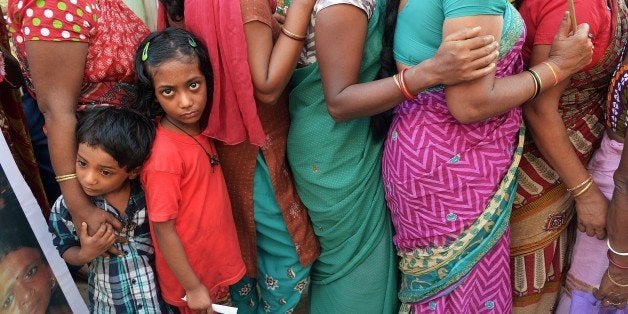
(145, 52)
(192, 42)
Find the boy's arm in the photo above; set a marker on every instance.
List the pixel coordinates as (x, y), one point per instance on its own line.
(198, 298)
(91, 246)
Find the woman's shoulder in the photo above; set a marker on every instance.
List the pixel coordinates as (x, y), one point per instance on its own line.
(53, 20)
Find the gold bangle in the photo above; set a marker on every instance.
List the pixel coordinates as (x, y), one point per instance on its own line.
(396, 80)
(65, 177)
(590, 178)
(553, 72)
(292, 35)
(608, 274)
(584, 189)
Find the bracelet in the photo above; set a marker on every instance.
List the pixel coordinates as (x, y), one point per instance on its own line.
(396, 80)
(608, 274)
(65, 177)
(610, 260)
(292, 35)
(590, 178)
(584, 189)
(553, 72)
(536, 87)
(608, 243)
(404, 89)
(537, 83)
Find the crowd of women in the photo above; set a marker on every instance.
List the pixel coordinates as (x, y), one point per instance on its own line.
(390, 155)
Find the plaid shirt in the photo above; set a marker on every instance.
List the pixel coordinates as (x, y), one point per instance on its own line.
(124, 284)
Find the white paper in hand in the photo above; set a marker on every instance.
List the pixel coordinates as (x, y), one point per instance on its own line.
(223, 309)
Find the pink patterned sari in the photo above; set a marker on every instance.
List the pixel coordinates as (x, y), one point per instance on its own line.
(450, 187)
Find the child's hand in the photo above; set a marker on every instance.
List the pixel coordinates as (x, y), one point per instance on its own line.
(198, 299)
(99, 243)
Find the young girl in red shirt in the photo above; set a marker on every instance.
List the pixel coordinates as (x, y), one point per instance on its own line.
(197, 251)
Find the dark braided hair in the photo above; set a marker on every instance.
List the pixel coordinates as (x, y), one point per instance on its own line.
(381, 122)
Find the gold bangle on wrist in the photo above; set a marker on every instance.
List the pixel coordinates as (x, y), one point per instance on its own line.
(608, 274)
(292, 35)
(584, 189)
(583, 183)
(65, 177)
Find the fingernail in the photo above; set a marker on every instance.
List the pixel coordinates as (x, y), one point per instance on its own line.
(476, 28)
(83, 223)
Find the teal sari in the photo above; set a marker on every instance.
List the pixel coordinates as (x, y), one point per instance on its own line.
(337, 171)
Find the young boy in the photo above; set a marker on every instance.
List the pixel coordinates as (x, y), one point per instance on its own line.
(112, 145)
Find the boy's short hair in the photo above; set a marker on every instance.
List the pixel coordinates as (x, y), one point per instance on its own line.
(123, 133)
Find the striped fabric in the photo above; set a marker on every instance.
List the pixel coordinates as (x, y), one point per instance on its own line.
(124, 284)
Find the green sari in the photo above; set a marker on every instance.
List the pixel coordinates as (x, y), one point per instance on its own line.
(337, 171)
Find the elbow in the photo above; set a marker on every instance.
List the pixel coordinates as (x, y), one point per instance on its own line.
(467, 112)
(337, 113)
(266, 98)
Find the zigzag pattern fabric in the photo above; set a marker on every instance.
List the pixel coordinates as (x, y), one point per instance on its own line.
(439, 176)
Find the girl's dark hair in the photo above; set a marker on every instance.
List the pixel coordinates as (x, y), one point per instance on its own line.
(158, 47)
(381, 122)
(174, 8)
(125, 134)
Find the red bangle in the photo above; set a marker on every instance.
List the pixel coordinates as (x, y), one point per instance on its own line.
(404, 89)
(610, 260)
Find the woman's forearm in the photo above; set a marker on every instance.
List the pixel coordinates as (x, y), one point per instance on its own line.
(271, 63)
(57, 73)
(618, 209)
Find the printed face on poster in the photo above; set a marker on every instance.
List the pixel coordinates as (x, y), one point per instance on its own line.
(33, 277)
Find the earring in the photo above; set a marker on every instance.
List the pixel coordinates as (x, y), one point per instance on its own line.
(53, 283)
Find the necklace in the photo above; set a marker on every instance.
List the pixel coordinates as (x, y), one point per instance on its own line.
(213, 159)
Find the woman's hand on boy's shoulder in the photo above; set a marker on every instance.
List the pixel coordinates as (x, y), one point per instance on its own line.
(97, 244)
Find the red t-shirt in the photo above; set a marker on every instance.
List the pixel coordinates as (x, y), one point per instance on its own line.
(542, 18)
(180, 184)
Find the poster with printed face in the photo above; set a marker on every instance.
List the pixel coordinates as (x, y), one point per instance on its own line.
(33, 277)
